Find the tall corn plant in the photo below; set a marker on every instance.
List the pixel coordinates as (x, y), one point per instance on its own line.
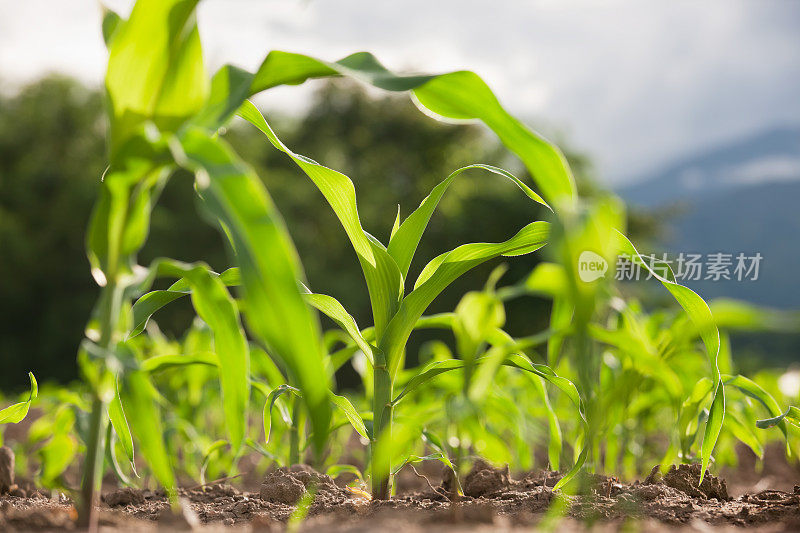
(163, 113)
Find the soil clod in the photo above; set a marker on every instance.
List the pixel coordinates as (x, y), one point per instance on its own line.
(6, 469)
(686, 478)
(484, 479)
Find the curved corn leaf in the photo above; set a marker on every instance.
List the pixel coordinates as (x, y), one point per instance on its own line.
(139, 400)
(792, 416)
(755, 391)
(330, 306)
(336, 470)
(147, 304)
(119, 422)
(352, 415)
(272, 398)
(275, 311)
(111, 457)
(716, 417)
(260, 449)
(383, 277)
(207, 454)
(164, 362)
(406, 237)
(556, 441)
(17, 412)
(442, 271)
(459, 95)
(111, 22)
(56, 456)
(427, 373)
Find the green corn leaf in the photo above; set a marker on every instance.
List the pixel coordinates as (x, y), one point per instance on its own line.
(215, 447)
(155, 69)
(111, 457)
(406, 237)
(744, 432)
(478, 315)
(716, 416)
(272, 398)
(139, 401)
(260, 449)
(121, 217)
(59, 451)
(352, 415)
(165, 362)
(337, 470)
(147, 304)
(120, 424)
(270, 268)
(216, 307)
(427, 373)
(17, 412)
(330, 306)
(56, 456)
(459, 95)
(383, 277)
(464, 95)
(442, 271)
(792, 416)
(755, 391)
(555, 442)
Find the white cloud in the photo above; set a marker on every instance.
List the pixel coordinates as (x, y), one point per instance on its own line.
(634, 82)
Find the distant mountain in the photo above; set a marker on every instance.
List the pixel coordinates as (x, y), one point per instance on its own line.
(740, 198)
(770, 157)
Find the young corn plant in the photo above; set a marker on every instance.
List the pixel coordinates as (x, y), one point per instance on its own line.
(476, 412)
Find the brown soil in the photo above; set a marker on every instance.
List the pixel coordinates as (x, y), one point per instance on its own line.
(492, 501)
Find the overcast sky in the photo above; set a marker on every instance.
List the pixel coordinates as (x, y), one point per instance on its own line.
(635, 83)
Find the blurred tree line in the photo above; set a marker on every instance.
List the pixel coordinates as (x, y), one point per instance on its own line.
(52, 154)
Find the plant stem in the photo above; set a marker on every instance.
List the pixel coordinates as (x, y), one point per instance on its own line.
(93, 464)
(381, 430)
(93, 467)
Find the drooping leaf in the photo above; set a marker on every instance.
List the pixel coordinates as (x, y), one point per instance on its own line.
(270, 269)
(139, 402)
(352, 415)
(458, 95)
(17, 412)
(120, 424)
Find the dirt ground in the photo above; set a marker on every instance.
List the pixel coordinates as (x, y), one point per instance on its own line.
(493, 501)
